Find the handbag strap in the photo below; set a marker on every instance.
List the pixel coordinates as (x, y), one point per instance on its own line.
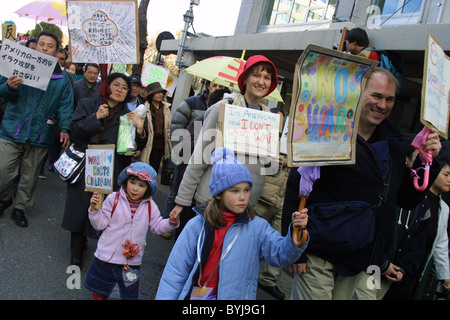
(384, 193)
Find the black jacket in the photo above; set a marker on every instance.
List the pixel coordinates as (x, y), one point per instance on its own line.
(363, 181)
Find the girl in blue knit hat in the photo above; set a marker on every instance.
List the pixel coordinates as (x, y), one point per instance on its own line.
(217, 255)
(124, 219)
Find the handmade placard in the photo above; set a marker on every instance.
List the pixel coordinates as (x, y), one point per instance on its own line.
(249, 131)
(34, 67)
(436, 87)
(99, 173)
(324, 112)
(103, 31)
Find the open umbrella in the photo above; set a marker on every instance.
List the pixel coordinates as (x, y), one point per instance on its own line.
(224, 71)
(307, 177)
(47, 11)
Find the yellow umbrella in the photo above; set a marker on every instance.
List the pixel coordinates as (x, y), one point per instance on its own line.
(224, 71)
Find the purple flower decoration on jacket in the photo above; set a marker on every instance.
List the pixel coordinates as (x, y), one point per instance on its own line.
(308, 176)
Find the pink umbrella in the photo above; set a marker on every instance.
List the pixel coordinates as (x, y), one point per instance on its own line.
(308, 176)
(47, 11)
(427, 158)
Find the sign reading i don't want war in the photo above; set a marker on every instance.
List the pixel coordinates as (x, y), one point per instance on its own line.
(324, 112)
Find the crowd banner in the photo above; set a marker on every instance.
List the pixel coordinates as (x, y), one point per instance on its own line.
(436, 87)
(324, 111)
(103, 31)
(99, 172)
(249, 131)
(34, 67)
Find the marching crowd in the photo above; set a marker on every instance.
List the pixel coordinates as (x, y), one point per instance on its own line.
(233, 215)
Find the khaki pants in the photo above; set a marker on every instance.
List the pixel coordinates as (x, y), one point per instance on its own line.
(365, 292)
(321, 282)
(29, 159)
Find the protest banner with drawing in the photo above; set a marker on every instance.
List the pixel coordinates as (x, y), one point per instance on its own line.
(34, 67)
(249, 131)
(324, 111)
(103, 31)
(99, 169)
(436, 87)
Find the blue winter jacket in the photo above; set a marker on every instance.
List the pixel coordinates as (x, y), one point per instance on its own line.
(35, 115)
(239, 271)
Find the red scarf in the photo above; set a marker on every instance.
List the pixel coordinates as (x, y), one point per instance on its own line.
(216, 252)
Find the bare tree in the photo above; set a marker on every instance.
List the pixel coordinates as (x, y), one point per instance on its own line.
(142, 14)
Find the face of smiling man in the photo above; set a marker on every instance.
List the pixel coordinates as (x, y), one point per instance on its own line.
(378, 102)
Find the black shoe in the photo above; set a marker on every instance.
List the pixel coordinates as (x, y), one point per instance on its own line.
(19, 218)
(5, 205)
(75, 261)
(273, 291)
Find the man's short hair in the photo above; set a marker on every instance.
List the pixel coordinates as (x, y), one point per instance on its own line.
(50, 34)
(94, 65)
(390, 77)
(359, 36)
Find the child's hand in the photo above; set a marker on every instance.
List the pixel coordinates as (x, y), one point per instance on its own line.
(174, 218)
(300, 219)
(94, 200)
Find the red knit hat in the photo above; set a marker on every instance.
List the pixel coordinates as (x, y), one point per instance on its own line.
(249, 63)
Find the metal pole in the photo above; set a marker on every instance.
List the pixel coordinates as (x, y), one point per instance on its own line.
(188, 19)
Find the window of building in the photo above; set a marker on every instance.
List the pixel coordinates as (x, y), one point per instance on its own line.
(399, 11)
(278, 12)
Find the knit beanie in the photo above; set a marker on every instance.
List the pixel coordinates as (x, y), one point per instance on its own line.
(142, 171)
(227, 171)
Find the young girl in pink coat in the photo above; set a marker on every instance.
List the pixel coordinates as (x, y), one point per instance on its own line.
(124, 219)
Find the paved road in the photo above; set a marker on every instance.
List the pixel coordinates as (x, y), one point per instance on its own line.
(34, 260)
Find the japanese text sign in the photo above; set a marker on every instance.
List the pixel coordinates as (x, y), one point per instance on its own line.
(103, 31)
(436, 87)
(324, 112)
(250, 131)
(34, 67)
(99, 173)
(9, 31)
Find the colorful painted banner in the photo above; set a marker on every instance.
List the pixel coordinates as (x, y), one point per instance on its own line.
(250, 131)
(324, 111)
(153, 73)
(103, 31)
(99, 173)
(436, 87)
(34, 67)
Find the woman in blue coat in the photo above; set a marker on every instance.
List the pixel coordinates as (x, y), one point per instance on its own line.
(217, 255)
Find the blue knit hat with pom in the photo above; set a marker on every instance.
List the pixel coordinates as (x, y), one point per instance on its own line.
(143, 171)
(227, 171)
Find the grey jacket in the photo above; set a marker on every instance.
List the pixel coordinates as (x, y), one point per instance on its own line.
(195, 183)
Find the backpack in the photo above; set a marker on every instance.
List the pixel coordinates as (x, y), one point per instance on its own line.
(116, 201)
(386, 62)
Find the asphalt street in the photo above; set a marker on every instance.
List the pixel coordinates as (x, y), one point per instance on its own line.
(34, 261)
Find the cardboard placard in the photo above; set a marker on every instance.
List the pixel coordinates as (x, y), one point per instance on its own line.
(99, 173)
(103, 31)
(9, 32)
(436, 87)
(324, 112)
(34, 67)
(249, 131)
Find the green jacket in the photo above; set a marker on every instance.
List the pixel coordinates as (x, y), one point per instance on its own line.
(34, 115)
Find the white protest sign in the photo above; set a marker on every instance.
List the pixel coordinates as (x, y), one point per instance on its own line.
(153, 73)
(103, 31)
(250, 131)
(436, 87)
(99, 173)
(34, 67)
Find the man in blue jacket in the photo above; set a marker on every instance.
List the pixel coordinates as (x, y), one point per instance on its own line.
(31, 120)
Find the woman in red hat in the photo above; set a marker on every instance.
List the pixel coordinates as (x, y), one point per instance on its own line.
(257, 79)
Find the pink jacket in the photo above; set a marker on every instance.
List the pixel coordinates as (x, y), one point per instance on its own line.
(122, 227)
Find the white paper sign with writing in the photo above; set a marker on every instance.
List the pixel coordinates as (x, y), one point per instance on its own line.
(250, 131)
(436, 88)
(34, 67)
(99, 172)
(103, 31)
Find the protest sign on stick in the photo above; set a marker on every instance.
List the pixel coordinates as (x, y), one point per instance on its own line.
(99, 172)
(324, 111)
(103, 31)
(436, 87)
(34, 67)
(9, 31)
(249, 131)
